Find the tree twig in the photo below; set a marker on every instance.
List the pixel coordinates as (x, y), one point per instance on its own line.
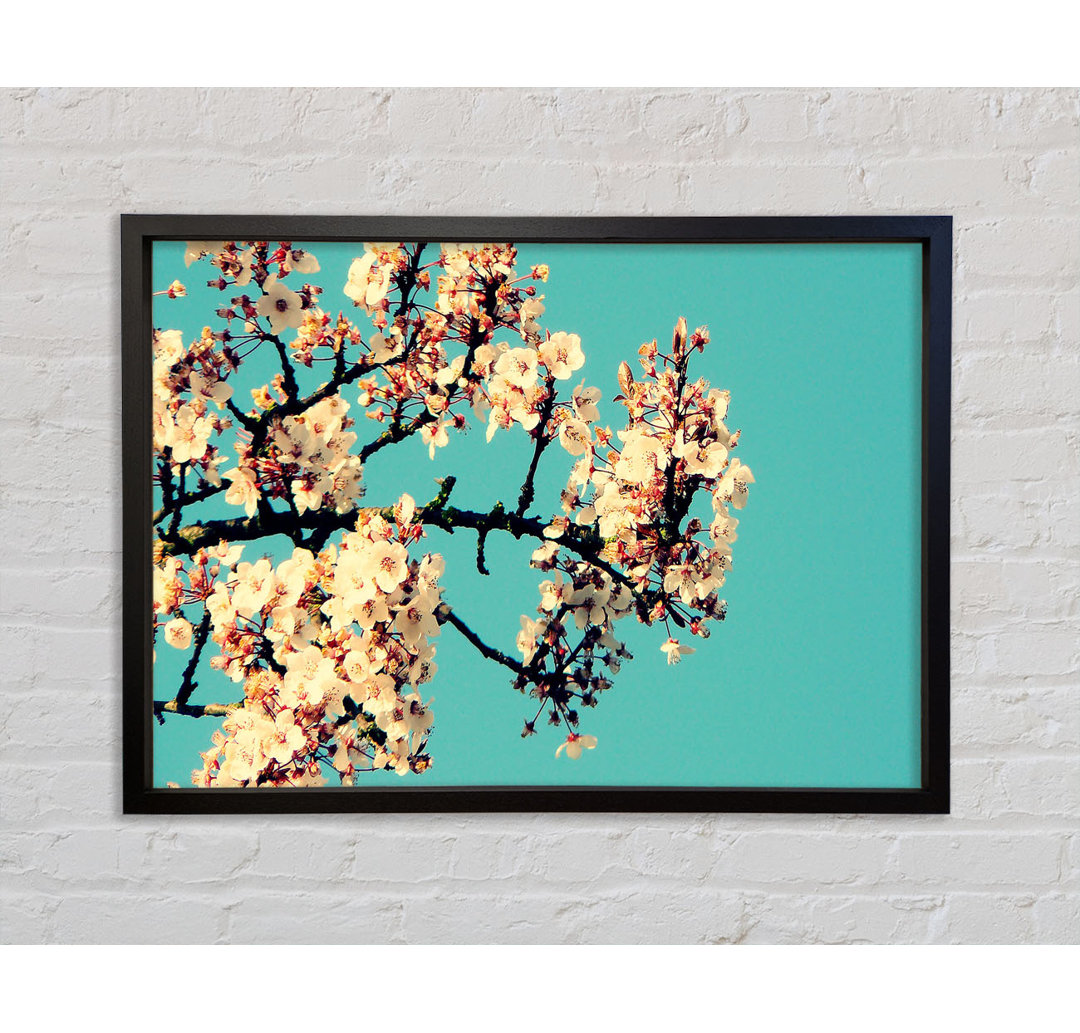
(542, 441)
(445, 615)
(163, 707)
(188, 684)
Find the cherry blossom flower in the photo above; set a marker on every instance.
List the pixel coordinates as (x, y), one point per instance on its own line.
(196, 249)
(529, 314)
(282, 306)
(701, 458)
(416, 623)
(178, 633)
(544, 557)
(431, 570)
(169, 346)
(527, 637)
(733, 485)
(675, 651)
(243, 490)
(562, 355)
(254, 588)
(434, 436)
(309, 677)
(287, 739)
(370, 278)
(299, 261)
(175, 290)
(210, 389)
(575, 436)
(575, 744)
(584, 401)
(384, 563)
(682, 578)
(517, 366)
(417, 717)
(190, 437)
(642, 456)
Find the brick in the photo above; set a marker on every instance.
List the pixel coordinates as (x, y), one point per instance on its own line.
(770, 117)
(1036, 651)
(854, 119)
(1015, 386)
(1005, 316)
(1035, 251)
(281, 853)
(647, 915)
(76, 594)
(1028, 121)
(1057, 918)
(486, 857)
(777, 188)
(28, 918)
(78, 654)
(693, 124)
(97, 919)
(305, 918)
(184, 857)
(994, 591)
(992, 718)
(978, 859)
(1004, 458)
(1043, 787)
(906, 182)
(998, 522)
(382, 858)
(826, 919)
(26, 721)
(986, 918)
(1053, 177)
(41, 798)
(787, 857)
(581, 857)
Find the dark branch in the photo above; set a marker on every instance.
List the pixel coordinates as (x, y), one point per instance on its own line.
(187, 499)
(320, 524)
(542, 441)
(163, 707)
(292, 388)
(481, 559)
(188, 684)
(250, 423)
(174, 522)
(445, 615)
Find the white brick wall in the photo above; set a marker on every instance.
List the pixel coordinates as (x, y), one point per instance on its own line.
(1002, 867)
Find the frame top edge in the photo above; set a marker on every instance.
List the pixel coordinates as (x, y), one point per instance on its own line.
(679, 228)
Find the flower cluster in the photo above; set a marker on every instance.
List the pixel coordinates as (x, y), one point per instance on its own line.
(305, 459)
(640, 494)
(580, 601)
(189, 391)
(331, 649)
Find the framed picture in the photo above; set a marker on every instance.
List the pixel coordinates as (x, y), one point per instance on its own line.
(441, 514)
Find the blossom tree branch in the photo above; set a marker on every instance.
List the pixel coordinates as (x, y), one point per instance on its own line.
(162, 707)
(333, 644)
(321, 524)
(445, 615)
(542, 440)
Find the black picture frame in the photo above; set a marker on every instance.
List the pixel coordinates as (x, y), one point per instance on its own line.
(138, 232)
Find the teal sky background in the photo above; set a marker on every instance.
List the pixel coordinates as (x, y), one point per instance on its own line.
(813, 679)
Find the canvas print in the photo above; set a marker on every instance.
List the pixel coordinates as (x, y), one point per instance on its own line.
(487, 514)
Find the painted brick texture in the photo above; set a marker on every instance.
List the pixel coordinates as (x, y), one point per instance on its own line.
(1004, 867)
